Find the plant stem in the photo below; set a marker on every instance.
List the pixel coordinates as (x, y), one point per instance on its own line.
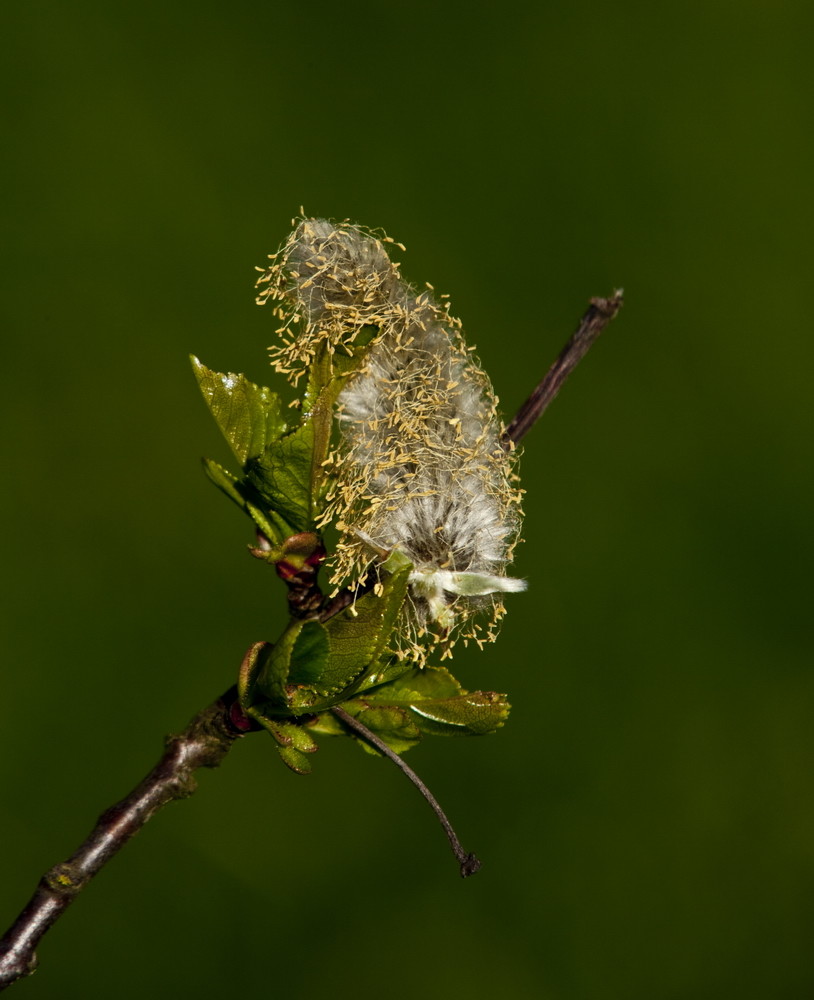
(597, 316)
(204, 743)
(212, 733)
(468, 863)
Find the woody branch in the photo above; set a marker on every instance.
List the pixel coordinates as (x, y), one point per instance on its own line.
(213, 732)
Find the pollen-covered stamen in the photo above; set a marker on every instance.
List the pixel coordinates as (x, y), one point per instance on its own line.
(420, 469)
(328, 282)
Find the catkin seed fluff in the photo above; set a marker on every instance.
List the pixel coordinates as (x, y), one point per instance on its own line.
(420, 467)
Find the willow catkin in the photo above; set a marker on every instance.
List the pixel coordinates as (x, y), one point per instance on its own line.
(420, 467)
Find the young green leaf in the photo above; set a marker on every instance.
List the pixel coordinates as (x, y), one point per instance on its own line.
(283, 476)
(360, 634)
(391, 723)
(239, 490)
(249, 415)
(439, 706)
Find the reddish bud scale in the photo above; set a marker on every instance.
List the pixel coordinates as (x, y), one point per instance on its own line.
(303, 554)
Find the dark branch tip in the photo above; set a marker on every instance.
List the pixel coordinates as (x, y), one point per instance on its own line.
(599, 314)
(610, 307)
(469, 865)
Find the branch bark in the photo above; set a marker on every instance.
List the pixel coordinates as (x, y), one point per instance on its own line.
(204, 743)
(212, 733)
(597, 316)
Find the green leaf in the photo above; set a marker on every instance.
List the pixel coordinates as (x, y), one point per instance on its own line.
(329, 372)
(417, 684)
(327, 724)
(283, 475)
(295, 759)
(249, 415)
(439, 706)
(383, 672)
(294, 742)
(238, 491)
(289, 734)
(252, 665)
(473, 714)
(310, 654)
(392, 724)
(360, 633)
(272, 678)
(286, 469)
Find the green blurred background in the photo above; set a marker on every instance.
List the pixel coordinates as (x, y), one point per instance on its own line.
(646, 818)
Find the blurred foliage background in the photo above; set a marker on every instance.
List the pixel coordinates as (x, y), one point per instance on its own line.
(645, 819)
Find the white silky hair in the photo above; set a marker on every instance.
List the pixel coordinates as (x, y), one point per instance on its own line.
(421, 468)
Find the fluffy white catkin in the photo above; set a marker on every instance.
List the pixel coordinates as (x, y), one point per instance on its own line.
(420, 467)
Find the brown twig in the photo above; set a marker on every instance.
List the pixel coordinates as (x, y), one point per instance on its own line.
(468, 863)
(204, 743)
(213, 732)
(597, 316)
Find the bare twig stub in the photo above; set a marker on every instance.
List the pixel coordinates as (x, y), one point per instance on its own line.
(599, 313)
(468, 863)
